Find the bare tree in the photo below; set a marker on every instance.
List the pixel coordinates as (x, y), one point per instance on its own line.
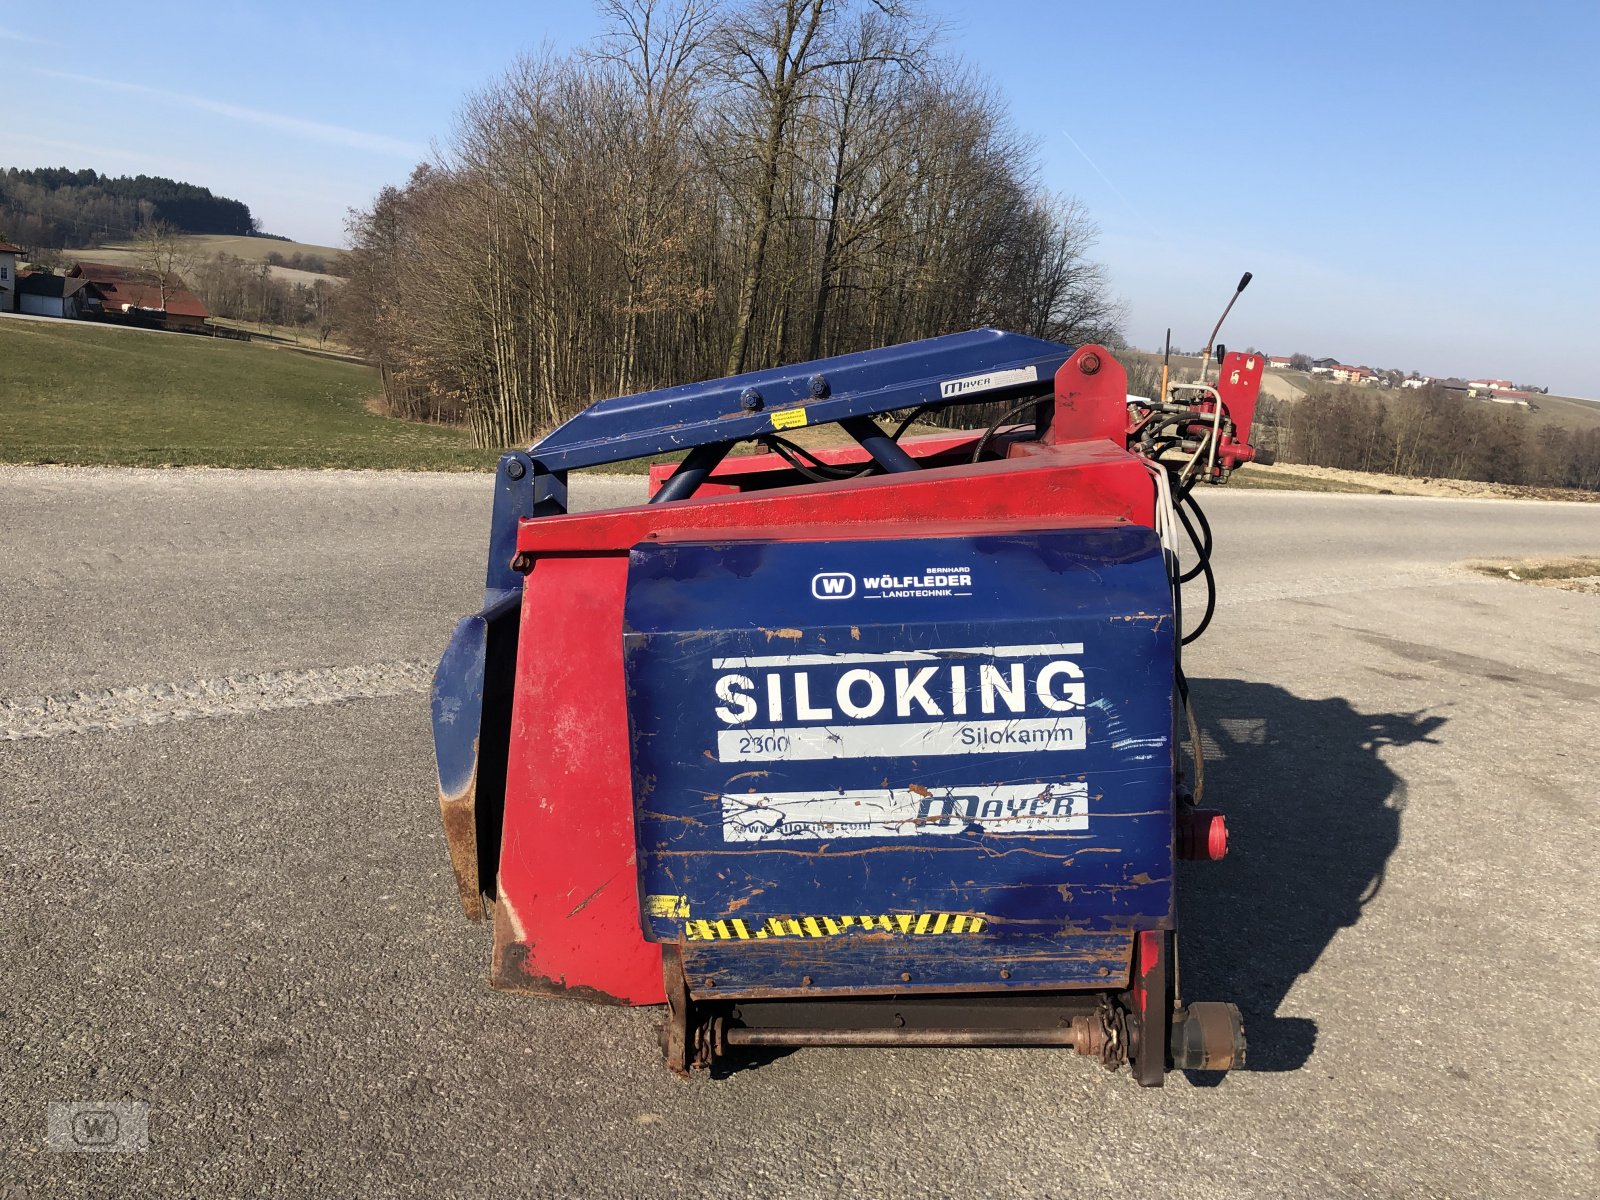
(699, 194)
(160, 253)
(773, 56)
(323, 306)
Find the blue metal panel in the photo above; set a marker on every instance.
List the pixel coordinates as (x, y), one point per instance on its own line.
(981, 364)
(471, 712)
(865, 731)
(864, 965)
(457, 705)
(478, 661)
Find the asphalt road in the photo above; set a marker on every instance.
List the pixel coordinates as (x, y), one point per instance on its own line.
(223, 889)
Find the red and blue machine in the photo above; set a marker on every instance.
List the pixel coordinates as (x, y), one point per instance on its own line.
(861, 746)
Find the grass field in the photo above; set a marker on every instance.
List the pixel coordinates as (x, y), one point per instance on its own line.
(82, 394)
(1285, 479)
(209, 245)
(251, 249)
(288, 335)
(1574, 413)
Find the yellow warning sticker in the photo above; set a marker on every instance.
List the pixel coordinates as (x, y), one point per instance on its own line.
(789, 418)
(898, 924)
(666, 906)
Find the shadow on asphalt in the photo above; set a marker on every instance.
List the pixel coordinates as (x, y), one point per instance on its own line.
(1313, 815)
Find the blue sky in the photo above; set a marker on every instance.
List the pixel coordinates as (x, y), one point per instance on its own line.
(1414, 185)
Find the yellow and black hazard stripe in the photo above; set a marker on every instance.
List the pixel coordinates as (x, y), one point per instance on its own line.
(898, 924)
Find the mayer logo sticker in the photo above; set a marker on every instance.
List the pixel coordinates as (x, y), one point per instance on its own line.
(987, 382)
(914, 811)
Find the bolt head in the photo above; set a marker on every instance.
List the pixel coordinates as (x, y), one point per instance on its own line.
(751, 400)
(1089, 364)
(515, 469)
(820, 387)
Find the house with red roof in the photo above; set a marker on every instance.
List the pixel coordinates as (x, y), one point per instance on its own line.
(127, 293)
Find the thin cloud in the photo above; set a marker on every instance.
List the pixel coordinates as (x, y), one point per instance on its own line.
(99, 153)
(1128, 204)
(11, 35)
(338, 135)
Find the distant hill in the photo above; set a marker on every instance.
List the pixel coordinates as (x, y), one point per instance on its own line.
(295, 262)
(54, 207)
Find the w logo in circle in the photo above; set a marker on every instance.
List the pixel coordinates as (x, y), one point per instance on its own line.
(96, 1127)
(833, 585)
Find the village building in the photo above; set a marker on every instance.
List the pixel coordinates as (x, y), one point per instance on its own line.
(127, 293)
(41, 294)
(1344, 374)
(8, 276)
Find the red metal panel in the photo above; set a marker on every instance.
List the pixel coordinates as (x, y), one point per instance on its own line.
(662, 472)
(806, 532)
(567, 917)
(1079, 479)
(1238, 384)
(1091, 398)
(738, 469)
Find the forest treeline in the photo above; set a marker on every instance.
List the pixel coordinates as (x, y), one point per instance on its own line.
(1428, 433)
(54, 207)
(232, 287)
(717, 186)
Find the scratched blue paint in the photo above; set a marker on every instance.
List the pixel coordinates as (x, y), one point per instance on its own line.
(691, 605)
(870, 965)
(861, 384)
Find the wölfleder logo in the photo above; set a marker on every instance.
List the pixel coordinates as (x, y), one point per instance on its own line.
(933, 581)
(833, 585)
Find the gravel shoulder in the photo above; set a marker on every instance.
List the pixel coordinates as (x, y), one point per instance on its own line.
(1302, 477)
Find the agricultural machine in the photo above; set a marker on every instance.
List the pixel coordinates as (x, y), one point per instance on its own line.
(871, 745)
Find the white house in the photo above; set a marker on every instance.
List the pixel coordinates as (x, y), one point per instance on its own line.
(42, 294)
(8, 276)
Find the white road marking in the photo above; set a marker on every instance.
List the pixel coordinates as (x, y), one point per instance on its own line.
(28, 717)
